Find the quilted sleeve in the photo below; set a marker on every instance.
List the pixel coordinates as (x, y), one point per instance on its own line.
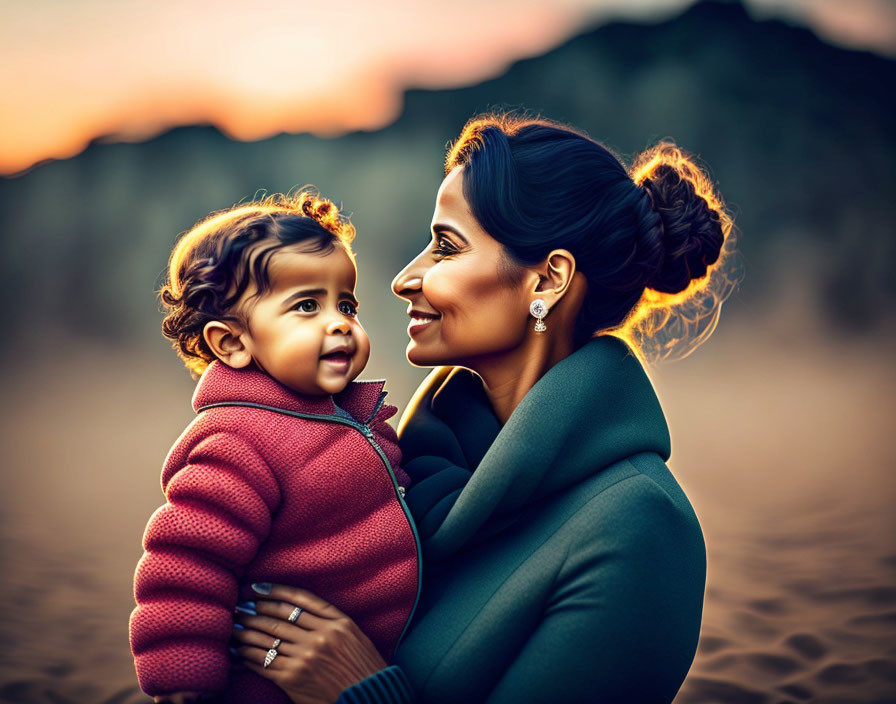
(220, 497)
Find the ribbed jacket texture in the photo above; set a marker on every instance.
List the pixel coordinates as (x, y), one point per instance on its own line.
(257, 495)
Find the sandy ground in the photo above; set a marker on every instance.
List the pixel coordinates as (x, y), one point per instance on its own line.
(790, 467)
(784, 449)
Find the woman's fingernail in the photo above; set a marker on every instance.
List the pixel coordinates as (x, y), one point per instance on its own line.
(233, 651)
(240, 626)
(247, 609)
(262, 587)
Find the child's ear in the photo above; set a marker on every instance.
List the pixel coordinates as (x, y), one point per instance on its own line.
(225, 341)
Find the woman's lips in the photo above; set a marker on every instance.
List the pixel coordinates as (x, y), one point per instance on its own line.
(420, 322)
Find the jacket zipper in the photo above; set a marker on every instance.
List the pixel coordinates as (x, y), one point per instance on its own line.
(364, 429)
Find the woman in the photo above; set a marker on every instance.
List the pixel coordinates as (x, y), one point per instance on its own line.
(562, 561)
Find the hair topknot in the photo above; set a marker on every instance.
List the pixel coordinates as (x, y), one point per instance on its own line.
(684, 230)
(691, 239)
(214, 263)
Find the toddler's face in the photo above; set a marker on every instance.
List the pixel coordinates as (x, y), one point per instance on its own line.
(304, 331)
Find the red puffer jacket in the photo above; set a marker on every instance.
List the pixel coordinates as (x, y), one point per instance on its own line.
(269, 486)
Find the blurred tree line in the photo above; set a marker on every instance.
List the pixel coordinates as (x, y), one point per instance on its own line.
(798, 136)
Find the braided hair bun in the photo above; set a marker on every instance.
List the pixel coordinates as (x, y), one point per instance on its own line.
(681, 221)
(684, 230)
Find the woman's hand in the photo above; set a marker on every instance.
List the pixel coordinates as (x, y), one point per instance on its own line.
(320, 655)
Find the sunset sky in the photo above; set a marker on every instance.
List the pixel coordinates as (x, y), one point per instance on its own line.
(78, 69)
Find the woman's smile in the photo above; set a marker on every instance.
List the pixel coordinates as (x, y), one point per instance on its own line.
(421, 320)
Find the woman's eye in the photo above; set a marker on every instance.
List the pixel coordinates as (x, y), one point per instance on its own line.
(309, 305)
(443, 247)
(348, 308)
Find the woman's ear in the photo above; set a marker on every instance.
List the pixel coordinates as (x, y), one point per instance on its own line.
(226, 342)
(555, 275)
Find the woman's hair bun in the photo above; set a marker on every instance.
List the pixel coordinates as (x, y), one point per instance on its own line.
(681, 222)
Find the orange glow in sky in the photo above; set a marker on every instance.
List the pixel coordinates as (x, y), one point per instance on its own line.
(76, 70)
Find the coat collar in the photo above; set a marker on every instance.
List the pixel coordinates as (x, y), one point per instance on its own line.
(590, 410)
(222, 384)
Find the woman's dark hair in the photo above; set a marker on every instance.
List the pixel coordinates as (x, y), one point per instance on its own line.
(647, 234)
(214, 263)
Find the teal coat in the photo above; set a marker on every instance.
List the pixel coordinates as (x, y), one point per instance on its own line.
(562, 560)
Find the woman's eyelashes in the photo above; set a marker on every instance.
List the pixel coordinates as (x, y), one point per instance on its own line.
(443, 246)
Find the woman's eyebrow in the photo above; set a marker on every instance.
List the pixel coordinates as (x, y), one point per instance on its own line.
(438, 227)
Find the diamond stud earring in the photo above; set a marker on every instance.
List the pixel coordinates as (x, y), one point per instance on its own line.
(539, 309)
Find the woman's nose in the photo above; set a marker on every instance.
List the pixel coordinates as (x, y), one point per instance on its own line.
(408, 280)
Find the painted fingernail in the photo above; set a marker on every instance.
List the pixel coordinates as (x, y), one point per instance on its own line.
(234, 652)
(262, 587)
(246, 609)
(239, 626)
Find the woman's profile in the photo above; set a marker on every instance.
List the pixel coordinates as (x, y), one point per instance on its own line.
(562, 561)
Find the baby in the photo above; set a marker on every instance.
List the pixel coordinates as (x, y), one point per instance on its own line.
(289, 472)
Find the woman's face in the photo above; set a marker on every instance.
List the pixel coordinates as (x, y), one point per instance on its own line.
(464, 305)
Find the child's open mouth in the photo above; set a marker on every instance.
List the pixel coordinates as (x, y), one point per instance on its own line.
(339, 358)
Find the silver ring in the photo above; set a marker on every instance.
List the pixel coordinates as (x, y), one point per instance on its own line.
(276, 644)
(269, 658)
(294, 616)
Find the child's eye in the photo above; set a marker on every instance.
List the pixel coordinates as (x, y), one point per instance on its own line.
(309, 305)
(348, 308)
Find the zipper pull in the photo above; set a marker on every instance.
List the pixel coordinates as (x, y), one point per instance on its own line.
(401, 491)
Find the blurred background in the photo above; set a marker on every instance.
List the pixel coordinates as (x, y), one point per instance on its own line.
(123, 123)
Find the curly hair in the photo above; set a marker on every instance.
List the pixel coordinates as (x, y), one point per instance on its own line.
(214, 263)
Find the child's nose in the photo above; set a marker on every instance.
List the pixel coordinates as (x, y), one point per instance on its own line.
(338, 326)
